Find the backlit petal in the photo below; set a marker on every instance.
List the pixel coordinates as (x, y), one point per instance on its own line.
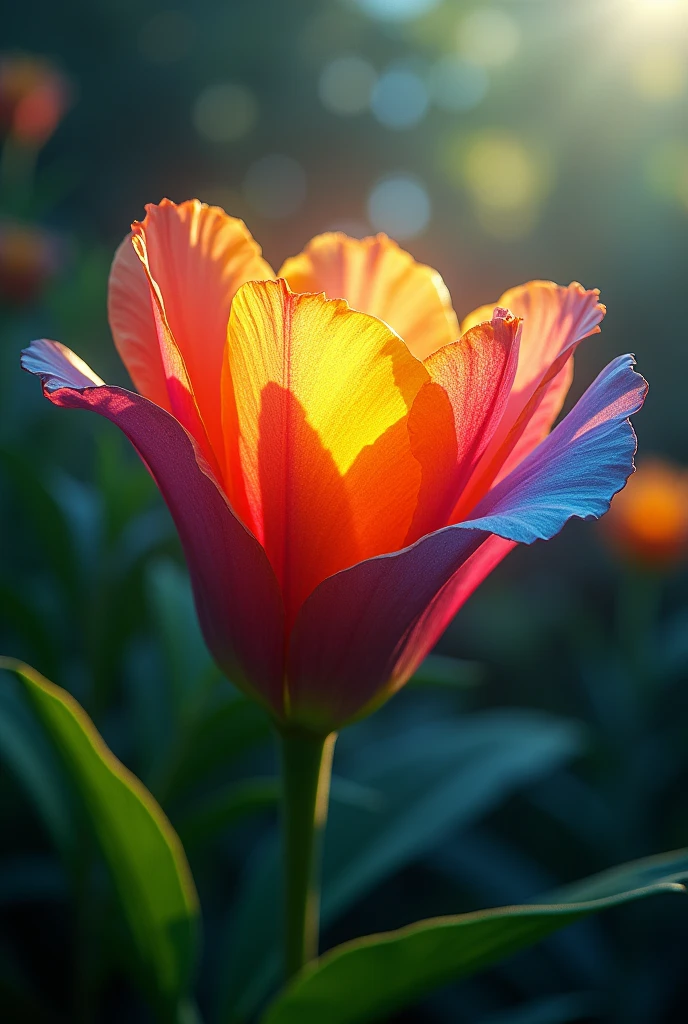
(237, 597)
(362, 632)
(577, 469)
(455, 416)
(555, 321)
(133, 325)
(319, 395)
(180, 394)
(375, 276)
(198, 257)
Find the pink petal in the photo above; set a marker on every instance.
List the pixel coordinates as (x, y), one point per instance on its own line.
(238, 601)
(455, 414)
(555, 321)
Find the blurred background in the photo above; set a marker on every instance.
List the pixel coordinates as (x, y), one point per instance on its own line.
(548, 737)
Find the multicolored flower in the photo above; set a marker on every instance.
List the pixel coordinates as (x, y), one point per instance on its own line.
(343, 468)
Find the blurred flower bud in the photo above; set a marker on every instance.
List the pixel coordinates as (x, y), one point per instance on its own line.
(29, 257)
(648, 520)
(34, 97)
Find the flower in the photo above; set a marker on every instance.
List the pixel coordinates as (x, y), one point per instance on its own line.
(339, 492)
(34, 97)
(648, 521)
(29, 257)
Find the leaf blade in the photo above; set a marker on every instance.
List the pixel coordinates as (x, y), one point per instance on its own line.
(143, 853)
(433, 777)
(362, 980)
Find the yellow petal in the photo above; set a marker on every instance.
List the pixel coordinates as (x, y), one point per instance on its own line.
(319, 395)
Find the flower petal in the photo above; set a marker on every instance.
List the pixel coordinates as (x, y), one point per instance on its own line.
(237, 597)
(198, 257)
(577, 469)
(555, 321)
(319, 395)
(362, 632)
(375, 276)
(132, 323)
(454, 417)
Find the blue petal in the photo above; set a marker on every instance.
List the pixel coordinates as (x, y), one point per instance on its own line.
(577, 469)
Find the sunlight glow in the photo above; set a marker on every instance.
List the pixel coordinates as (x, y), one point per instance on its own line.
(660, 73)
(659, 10)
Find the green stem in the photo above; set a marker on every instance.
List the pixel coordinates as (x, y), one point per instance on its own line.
(306, 770)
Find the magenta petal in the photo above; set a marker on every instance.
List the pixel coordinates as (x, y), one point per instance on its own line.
(237, 597)
(363, 631)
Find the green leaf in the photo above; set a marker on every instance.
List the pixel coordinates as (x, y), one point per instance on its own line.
(229, 729)
(33, 761)
(145, 858)
(369, 978)
(441, 775)
(426, 780)
(187, 660)
(45, 519)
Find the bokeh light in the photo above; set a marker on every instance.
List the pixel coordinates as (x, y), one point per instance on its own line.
(34, 97)
(29, 257)
(657, 7)
(666, 171)
(660, 73)
(488, 36)
(400, 99)
(225, 112)
(400, 206)
(396, 10)
(346, 84)
(505, 179)
(275, 186)
(457, 84)
(648, 520)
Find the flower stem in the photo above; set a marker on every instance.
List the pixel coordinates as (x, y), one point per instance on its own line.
(306, 770)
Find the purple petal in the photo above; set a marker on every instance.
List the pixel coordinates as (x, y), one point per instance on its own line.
(237, 597)
(577, 469)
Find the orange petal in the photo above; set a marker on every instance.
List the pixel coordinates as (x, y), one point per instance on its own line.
(319, 395)
(455, 416)
(375, 276)
(555, 320)
(553, 317)
(133, 325)
(198, 256)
